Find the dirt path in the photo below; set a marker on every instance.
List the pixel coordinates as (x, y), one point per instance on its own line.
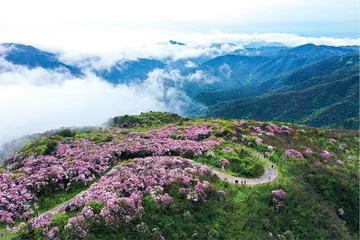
(269, 175)
(55, 209)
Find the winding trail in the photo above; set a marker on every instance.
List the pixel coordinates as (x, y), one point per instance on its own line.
(55, 209)
(269, 175)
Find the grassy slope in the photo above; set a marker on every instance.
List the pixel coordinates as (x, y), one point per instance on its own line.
(310, 210)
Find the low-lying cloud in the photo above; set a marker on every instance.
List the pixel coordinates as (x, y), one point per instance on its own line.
(38, 100)
(116, 44)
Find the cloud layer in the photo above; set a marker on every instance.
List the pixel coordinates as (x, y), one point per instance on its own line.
(38, 100)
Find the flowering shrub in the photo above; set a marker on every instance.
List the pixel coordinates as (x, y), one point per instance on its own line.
(308, 152)
(196, 133)
(228, 150)
(224, 162)
(325, 155)
(14, 198)
(280, 130)
(278, 197)
(122, 191)
(258, 141)
(83, 160)
(292, 153)
(279, 194)
(241, 123)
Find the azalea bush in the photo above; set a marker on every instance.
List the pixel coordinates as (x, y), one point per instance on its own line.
(119, 195)
(82, 160)
(96, 189)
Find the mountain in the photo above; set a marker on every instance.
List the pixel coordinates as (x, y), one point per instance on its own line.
(353, 47)
(120, 72)
(238, 70)
(172, 42)
(321, 105)
(290, 59)
(264, 44)
(130, 71)
(327, 70)
(233, 69)
(258, 73)
(262, 51)
(160, 176)
(31, 57)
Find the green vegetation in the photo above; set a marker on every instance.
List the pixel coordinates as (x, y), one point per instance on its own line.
(243, 163)
(321, 201)
(320, 94)
(50, 200)
(44, 146)
(151, 118)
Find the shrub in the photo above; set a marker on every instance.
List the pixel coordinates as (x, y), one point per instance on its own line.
(96, 206)
(18, 175)
(60, 219)
(66, 133)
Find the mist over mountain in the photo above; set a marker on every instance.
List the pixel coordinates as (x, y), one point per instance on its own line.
(253, 80)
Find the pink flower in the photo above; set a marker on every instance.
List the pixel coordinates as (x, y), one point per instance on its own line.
(308, 152)
(325, 155)
(224, 162)
(258, 141)
(187, 180)
(228, 150)
(292, 153)
(279, 194)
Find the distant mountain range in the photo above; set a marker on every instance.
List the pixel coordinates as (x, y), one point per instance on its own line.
(311, 84)
(31, 57)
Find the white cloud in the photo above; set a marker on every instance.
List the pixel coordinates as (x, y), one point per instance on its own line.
(225, 70)
(190, 64)
(116, 29)
(115, 45)
(37, 100)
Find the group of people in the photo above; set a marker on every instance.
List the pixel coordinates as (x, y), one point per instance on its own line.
(242, 182)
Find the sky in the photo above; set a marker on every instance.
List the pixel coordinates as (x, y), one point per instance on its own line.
(103, 26)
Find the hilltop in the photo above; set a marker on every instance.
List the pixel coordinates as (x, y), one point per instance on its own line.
(161, 176)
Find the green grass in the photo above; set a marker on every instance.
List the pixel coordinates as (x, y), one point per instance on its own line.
(51, 200)
(310, 210)
(5, 234)
(242, 161)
